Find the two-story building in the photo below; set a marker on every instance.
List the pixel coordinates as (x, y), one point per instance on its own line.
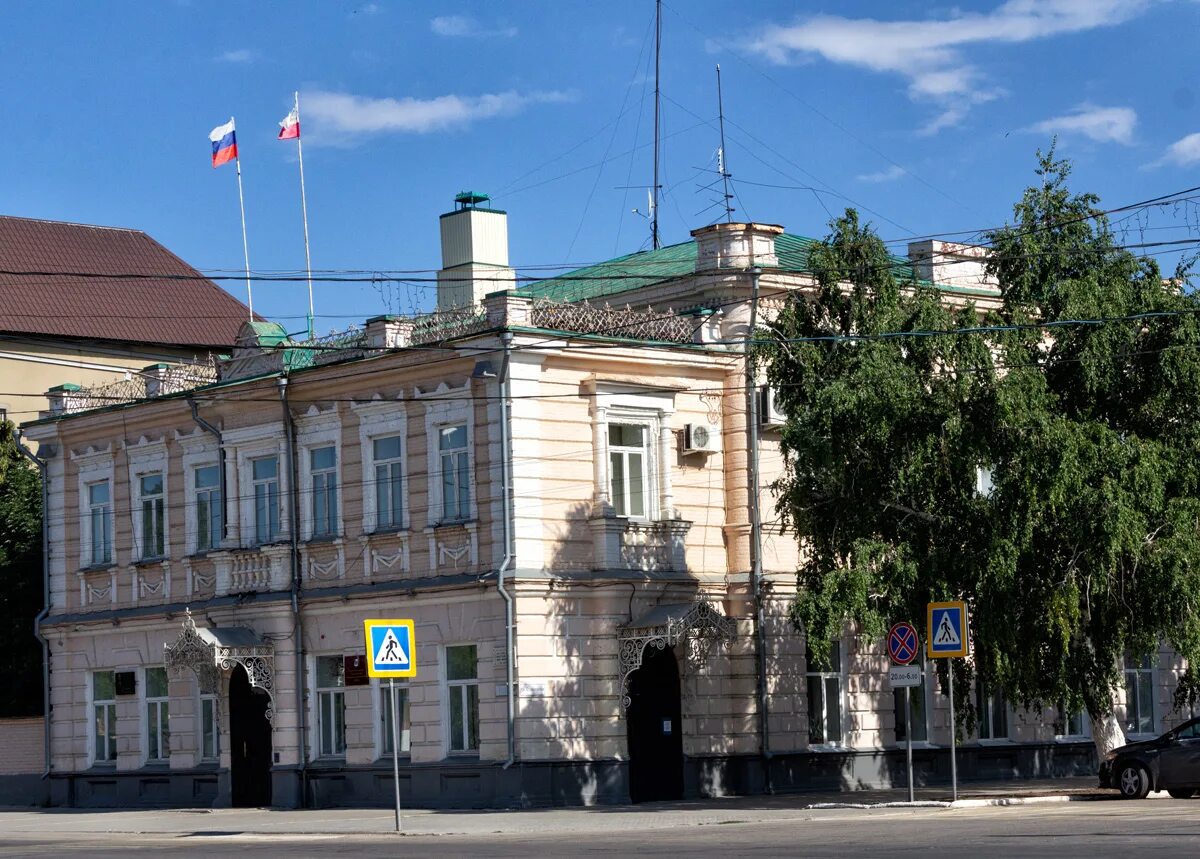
(556, 490)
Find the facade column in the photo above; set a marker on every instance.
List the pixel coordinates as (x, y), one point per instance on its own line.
(666, 440)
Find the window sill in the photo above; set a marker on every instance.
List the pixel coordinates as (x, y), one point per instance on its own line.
(148, 562)
(1072, 739)
(916, 744)
(322, 539)
(386, 758)
(157, 765)
(992, 741)
(453, 523)
(328, 761)
(389, 531)
(103, 767)
(106, 567)
(827, 748)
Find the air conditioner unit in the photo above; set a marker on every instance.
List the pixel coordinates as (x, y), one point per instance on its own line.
(769, 414)
(701, 438)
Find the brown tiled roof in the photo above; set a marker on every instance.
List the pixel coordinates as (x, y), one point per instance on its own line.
(63, 280)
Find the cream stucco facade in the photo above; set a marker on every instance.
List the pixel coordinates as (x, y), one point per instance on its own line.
(550, 472)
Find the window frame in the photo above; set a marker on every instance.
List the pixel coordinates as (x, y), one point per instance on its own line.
(159, 727)
(461, 687)
(110, 715)
(453, 406)
(380, 419)
(381, 695)
(1150, 671)
(986, 715)
(615, 402)
(921, 693)
(201, 451)
(335, 694)
(649, 476)
(208, 697)
(151, 507)
(106, 556)
(243, 445)
(316, 430)
(838, 674)
(94, 466)
(323, 498)
(460, 457)
(272, 521)
(214, 525)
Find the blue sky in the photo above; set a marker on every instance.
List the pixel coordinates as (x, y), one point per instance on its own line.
(926, 116)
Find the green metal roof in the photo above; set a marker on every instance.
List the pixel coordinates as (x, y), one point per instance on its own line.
(637, 270)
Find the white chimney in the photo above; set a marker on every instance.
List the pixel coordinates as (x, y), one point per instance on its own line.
(951, 264)
(736, 246)
(474, 253)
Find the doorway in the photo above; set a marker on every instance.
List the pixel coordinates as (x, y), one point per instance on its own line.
(654, 722)
(249, 742)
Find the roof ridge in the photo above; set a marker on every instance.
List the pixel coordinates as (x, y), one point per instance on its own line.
(71, 224)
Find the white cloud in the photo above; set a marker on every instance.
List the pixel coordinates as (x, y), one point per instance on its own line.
(929, 54)
(338, 117)
(241, 55)
(1101, 124)
(1182, 153)
(467, 27)
(889, 175)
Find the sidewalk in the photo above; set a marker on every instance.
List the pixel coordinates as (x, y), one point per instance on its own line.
(573, 821)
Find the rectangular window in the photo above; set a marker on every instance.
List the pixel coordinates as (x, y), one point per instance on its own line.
(385, 726)
(917, 718)
(158, 732)
(323, 462)
(1072, 723)
(991, 712)
(100, 521)
(463, 689)
(265, 479)
(209, 508)
(1139, 695)
(150, 492)
(104, 717)
(627, 457)
(456, 483)
(210, 728)
(825, 696)
(331, 706)
(389, 482)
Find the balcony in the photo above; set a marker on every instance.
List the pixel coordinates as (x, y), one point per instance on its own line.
(647, 547)
(264, 568)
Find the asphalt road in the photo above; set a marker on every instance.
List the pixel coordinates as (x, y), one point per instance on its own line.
(1078, 829)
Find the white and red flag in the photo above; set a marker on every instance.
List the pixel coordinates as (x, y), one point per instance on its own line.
(289, 128)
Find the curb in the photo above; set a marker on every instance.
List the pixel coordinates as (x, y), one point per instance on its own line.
(999, 801)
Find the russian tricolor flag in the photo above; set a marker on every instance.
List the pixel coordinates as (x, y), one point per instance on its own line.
(224, 144)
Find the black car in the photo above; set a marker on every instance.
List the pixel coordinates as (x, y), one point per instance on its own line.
(1170, 762)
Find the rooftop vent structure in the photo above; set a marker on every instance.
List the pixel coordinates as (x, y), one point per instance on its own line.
(474, 252)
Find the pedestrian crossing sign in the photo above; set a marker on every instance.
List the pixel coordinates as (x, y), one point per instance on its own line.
(391, 648)
(947, 630)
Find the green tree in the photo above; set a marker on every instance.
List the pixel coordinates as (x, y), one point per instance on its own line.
(1086, 546)
(20, 579)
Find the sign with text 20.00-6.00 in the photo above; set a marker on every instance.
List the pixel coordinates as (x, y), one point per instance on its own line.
(391, 648)
(946, 635)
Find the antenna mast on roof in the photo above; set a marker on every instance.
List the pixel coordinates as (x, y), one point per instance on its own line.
(657, 109)
(722, 163)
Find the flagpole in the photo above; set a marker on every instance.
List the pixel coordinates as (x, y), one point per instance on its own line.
(304, 212)
(245, 245)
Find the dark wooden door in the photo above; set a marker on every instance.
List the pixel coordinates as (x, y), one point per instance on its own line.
(654, 725)
(250, 742)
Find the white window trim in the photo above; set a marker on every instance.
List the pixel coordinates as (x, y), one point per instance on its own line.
(447, 751)
(93, 466)
(624, 403)
(927, 699)
(317, 429)
(1155, 716)
(453, 407)
(843, 700)
(148, 457)
(380, 690)
(242, 447)
(1064, 737)
(197, 453)
(143, 697)
(314, 712)
(198, 696)
(381, 419)
(90, 720)
(1010, 722)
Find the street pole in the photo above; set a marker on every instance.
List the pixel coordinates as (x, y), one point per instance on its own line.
(908, 739)
(395, 747)
(953, 736)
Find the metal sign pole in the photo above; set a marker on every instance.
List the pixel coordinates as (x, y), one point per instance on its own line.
(395, 747)
(953, 736)
(908, 738)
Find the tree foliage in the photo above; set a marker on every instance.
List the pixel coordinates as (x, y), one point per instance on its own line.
(1087, 546)
(20, 579)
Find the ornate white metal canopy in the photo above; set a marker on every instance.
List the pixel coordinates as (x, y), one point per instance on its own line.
(208, 652)
(698, 623)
